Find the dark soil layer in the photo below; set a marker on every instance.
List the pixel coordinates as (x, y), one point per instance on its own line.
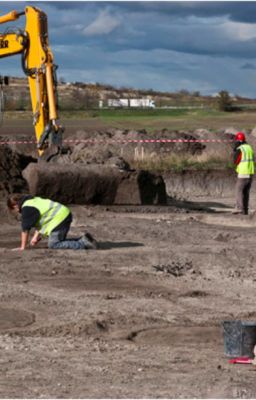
(82, 184)
(11, 166)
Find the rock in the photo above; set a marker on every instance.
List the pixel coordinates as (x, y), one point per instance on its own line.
(118, 162)
(202, 133)
(231, 130)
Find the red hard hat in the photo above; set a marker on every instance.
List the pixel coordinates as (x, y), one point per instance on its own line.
(240, 137)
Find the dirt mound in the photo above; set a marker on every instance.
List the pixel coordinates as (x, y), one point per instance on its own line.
(116, 150)
(103, 146)
(11, 165)
(94, 184)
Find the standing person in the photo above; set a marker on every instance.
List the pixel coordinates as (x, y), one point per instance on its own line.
(50, 219)
(244, 161)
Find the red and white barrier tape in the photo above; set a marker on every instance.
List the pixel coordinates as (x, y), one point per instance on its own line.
(18, 142)
(123, 141)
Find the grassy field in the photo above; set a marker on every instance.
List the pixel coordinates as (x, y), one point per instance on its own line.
(156, 119)
(149, 119)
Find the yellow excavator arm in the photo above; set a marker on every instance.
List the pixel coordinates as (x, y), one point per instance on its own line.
(37, 63)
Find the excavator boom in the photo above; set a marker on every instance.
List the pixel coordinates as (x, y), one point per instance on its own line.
(38, 64)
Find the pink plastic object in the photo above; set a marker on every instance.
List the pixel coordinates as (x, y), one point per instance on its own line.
(241, 360)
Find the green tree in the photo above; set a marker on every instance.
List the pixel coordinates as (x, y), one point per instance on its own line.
(224, 101)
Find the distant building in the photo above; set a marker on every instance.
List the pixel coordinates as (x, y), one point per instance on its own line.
(131, 103)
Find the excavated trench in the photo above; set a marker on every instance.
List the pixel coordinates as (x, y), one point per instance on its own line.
(100, 173)
(100, 184)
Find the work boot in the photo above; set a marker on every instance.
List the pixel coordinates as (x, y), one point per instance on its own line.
(89, 242)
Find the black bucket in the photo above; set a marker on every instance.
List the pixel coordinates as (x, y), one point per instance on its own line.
(239, 338)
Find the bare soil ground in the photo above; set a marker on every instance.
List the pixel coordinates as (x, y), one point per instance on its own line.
(139, 318)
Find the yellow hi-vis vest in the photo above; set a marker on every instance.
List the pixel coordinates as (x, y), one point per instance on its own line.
(246, 165)
(51, 213)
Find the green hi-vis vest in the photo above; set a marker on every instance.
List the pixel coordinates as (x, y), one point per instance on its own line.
(246, 165)
(51, 213)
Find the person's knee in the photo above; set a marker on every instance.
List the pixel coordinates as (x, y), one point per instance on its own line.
(52, 245)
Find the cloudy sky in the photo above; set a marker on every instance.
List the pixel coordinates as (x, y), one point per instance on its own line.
(204, 46)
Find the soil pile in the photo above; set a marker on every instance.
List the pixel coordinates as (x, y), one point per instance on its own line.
(104, 147)
(11, 165)
(114, 150)
(94, 184)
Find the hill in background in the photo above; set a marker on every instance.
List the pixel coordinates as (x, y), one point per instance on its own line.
(81, 96)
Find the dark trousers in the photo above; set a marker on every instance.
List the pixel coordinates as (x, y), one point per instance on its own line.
(243, 186)
(58, 239)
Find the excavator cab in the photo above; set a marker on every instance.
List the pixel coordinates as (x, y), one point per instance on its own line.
(38, 65)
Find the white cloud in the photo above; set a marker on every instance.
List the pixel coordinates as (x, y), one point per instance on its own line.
(239, 31)
(103, 25)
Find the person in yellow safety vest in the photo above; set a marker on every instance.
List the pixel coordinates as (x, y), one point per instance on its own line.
(244, 161)
(50, 219)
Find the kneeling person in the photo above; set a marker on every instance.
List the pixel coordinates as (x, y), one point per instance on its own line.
(50, 219)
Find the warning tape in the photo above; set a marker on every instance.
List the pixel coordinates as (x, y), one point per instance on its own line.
(18, 142)
(123, 141)
(148, 141)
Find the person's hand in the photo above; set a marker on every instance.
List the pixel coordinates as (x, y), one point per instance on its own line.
(35, 240)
